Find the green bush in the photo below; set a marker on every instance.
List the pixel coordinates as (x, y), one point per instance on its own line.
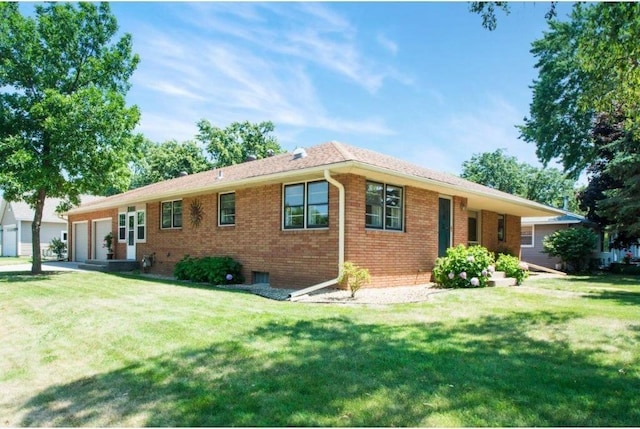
(353, 277)
(464, 267)
(58, 247)
(216, 270)
(512, 267)
(573, 246)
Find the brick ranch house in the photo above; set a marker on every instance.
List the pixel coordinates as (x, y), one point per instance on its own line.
(293, 218)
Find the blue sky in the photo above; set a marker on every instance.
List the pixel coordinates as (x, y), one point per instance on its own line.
(424, 82)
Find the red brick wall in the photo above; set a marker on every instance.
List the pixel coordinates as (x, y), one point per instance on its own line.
(489, 227)
(393, 258)
(292, 258)
(460, 221)
(513, 226)
(296, 259)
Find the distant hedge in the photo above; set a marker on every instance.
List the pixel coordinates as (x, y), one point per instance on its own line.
(619, 268)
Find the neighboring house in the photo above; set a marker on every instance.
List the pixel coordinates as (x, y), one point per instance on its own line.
(535, 229)
(16, 219)
(609, 254)
(293, 218)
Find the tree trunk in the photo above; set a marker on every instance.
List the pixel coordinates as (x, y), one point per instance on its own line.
(36, 267)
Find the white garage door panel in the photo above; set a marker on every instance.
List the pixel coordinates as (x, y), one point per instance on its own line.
(10, 241)
(80, 242)
(102, 228)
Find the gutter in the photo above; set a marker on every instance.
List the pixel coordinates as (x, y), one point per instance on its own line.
(341, 240)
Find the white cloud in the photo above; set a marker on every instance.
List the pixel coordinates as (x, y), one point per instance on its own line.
(199, 72)
(387, 43)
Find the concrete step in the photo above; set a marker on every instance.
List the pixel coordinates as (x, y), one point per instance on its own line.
(92, 267)
(505, 281)
(498, 275)
(112, 265)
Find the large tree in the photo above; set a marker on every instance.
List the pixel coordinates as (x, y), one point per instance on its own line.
(502, 172)
(496, 170)
(162, 161)
(589, 70)
(64, 127)
(234, 144)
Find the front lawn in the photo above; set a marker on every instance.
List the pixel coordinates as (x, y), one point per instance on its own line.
(94, 349)
(15, 260)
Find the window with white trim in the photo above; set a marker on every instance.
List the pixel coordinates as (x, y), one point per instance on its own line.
(122, 227)
(141, 226)
(171, 214)
(526, 236)
(227, 209)
(384, 206)
(306, 205)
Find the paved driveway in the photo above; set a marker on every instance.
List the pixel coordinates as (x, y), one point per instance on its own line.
(46, 266)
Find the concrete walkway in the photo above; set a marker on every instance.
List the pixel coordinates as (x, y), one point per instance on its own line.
(46, 266)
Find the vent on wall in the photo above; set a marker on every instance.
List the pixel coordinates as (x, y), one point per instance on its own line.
(299, 153)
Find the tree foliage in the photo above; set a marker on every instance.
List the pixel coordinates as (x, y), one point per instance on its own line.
(162, 161)
(487, 11)
(235, 143)
(495, 170)
(586, 107)
(64, 127)
(612, 195)
(502, 172)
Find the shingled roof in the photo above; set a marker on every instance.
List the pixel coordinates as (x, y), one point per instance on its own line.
(23, 212)
(334, 156)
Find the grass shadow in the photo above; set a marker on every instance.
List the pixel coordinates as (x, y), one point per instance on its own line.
(26, 276)
(491, 371)
(605, 278)
(180, 283)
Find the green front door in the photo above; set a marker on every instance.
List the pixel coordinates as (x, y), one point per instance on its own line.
(444, 225)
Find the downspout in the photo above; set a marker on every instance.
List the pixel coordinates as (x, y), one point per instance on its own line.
(341, 239)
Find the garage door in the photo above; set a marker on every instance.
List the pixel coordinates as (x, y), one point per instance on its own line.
(80, 242)
(10, 241)
(101, 228)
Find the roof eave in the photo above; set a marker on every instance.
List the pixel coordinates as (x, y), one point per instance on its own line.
(217, 184)
(531, 208)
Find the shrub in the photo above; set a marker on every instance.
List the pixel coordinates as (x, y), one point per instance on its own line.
(464, 267)
(353, 277)
(58, 247)
(573, 246)
(216, 270)
(512, 267)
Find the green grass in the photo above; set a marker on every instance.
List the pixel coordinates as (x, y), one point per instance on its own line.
(11, 260)
(93, 349)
